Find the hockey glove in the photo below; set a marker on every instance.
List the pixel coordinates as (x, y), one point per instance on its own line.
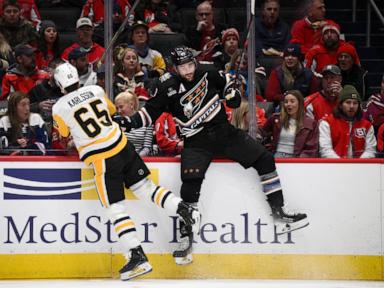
(123, 121)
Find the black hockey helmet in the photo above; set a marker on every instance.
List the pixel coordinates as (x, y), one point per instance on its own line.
(181, 55)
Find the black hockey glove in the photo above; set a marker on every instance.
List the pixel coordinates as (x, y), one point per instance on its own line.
(123, 121)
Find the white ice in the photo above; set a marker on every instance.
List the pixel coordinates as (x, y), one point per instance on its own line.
(103, 283)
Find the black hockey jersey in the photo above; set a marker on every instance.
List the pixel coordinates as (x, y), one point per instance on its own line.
(193, 104)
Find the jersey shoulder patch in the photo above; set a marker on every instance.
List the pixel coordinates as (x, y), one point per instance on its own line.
(165, 77)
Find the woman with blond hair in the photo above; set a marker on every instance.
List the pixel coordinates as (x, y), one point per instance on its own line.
(128, 73)
(240, 118)
(291, 133)
(127, 104)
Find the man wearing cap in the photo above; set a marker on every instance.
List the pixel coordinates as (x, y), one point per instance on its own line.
(326, 52)
(291, 75)
(79, 58)
(271, 33)
(84, 30)
(151, 60)
(344, 133)
(353, 74)
(14, 28)
(24, 75)
(229, 45)
(307, 31)
(322, 103)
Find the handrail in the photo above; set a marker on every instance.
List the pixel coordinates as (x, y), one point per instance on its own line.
(377, 10)
(371, 3)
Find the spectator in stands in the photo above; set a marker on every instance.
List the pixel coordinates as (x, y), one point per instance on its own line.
(380, 142)
(94, 10)
(229, 45)
(14, 28)
(78, 57)
(344, 133)
(44, 95)
(129, 75)
(28, 10)
(167, 139)
(308, 31)
(232, 69)
(152, 62)
(325, 53)
(24, 75)
(48, 44)
(100, 73)
(127, 104)
(291, 133)
(322, 103)
(156, 15)
(84, 29)
(375, 108)
(353, 74)
(6, 57)
(20, 129)
(240, 117)
(271, 34)
(206, 34)
(291, 75)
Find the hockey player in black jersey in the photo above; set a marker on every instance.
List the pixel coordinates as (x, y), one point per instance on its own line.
(194, 96)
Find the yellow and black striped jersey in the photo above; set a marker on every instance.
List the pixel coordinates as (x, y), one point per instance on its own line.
(86, 115)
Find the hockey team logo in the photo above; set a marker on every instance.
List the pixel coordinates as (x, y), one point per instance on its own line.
(193, 99)
(360, 132)
(32, 184)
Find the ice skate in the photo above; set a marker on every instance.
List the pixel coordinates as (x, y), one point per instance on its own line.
(189, 226)
(287, 221)
(183, 253)
(189, 215)
(137, 265)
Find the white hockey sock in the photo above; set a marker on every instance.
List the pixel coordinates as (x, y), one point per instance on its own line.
(124, 226)
(146, 189)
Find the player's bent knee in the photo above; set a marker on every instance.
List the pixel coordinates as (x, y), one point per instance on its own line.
(265, 163)
(116, 211)
(144, 188)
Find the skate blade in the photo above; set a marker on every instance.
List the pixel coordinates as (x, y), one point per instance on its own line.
(183, 260)
(137, 271)
(283, 228)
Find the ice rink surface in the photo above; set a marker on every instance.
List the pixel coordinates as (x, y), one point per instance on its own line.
(102, 283)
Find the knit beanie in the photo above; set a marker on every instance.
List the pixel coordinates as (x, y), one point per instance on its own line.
(46, 24)
(331, 27)
(293, 49)
(229, 32)
(350, 50)
(349, 92)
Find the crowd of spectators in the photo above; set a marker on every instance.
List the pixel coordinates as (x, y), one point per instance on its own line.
(308, 73)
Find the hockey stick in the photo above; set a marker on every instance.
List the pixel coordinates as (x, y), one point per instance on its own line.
(118, 33)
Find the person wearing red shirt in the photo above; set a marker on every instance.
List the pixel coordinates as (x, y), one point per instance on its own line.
(322, 103)
(84, 29)
(25, 75)
(307, 31)
(167, 139)
(344, 133)
(48, 45)
(325, 53)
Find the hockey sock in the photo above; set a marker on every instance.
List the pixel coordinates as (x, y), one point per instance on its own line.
(146, 189)
(124, 226)
(272, 189)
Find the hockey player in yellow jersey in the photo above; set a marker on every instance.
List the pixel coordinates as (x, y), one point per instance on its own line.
(85, 114)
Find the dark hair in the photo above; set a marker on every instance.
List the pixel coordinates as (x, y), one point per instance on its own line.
(338, 112)
(42, 45)
(11, 3)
